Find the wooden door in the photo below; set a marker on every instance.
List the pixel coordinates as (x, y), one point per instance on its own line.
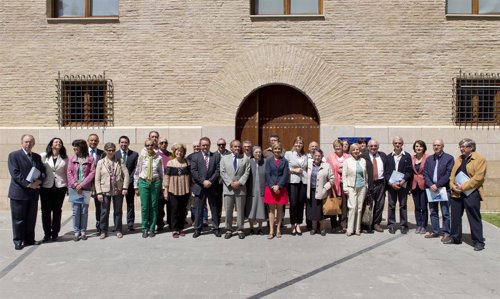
(277, 109)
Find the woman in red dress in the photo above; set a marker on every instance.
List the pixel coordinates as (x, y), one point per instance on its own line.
(276, 194)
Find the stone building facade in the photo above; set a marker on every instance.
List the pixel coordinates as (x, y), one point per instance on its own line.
(185, 67)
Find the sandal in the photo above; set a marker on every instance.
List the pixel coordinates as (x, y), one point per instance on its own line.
(278, 235)
(270, 236)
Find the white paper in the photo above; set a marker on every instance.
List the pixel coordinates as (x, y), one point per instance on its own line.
(33, 175)
(462, 178)
(440, 195)
(396, 176)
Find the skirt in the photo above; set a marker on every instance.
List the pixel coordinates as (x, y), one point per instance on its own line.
(276, 199)
(314, 208)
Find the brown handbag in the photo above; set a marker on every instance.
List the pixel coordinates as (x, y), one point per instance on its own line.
(332, 205)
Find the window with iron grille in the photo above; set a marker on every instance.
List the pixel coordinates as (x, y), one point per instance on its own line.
(286, 7)
(85, 101)
(476, 99)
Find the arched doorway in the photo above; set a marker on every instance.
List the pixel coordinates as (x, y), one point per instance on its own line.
(277, 109)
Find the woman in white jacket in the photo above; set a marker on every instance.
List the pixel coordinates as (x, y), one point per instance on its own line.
(54, 188)
(355, 184)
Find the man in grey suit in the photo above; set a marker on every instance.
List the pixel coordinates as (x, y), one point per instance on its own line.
(129, 158)
(205, 173)
(234, 171)
(27, 173)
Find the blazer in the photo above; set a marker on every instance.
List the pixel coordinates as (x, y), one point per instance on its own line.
(19, 167)
(445, 166)
(418, 176)
(99, 154)
(324, 181)
(277, 175)
(131, 163)
(476, 170)
(294, 161)
(56, 174)
(369, 166)
(229, 175)
(200, 173)
(103, 176)
(349, 173)
(404, 167)
(88, 170)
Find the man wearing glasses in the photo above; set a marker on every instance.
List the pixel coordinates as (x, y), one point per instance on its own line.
(221, 151)
(376, 163)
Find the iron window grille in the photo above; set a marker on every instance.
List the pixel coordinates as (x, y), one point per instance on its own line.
(85, 101)
(476, 100)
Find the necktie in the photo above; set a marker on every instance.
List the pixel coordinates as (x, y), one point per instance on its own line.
(92, 155)
(206, 161)
(435, 175)
(235, 163)
(375, 168)
(124, 157)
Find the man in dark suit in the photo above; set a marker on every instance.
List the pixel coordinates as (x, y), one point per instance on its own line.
(129, 158)
(376, 163)
(437, 173)
(399, 161)
(205, 172)
(96, 154)
(24, 190)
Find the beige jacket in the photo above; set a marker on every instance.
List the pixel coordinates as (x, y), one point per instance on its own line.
(349, 173)
(324, 181)
(103, 178)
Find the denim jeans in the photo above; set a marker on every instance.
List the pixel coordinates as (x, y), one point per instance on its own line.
(80, 217)
(445, 211)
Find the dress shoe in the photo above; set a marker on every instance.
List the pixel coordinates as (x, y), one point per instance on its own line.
(152, 234)
(76, 238)
(241, 235)
(452, 241)
(404, 230)
(312, 232)
(358, 233)
(217, 233)
(145, 234)
(182, 234)
(260, 232)
(32, 243)
(378, 228)
(228, 235)
(119, 235)
(131, 228)
(417, 230)
(102, 236)
(252, 232)
(323, 232)
(478, 246)
(18, 246)
(196, 234)
(348, 234)
(54, 238)
(46, 239)
(84, 237)
(392, 230)
(175, 235)
(430, 235)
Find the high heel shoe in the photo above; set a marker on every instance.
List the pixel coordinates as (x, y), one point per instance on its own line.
(294, 230)
(299, 232)
(270, 236)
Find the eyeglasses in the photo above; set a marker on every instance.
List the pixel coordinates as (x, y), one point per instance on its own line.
(222, 144)
(148, 145)
(163, 142)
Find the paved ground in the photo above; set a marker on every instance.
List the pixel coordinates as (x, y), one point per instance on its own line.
(379, 265)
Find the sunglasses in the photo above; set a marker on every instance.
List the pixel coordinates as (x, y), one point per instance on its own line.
(148, 145)
(163, 142)
(222, 144)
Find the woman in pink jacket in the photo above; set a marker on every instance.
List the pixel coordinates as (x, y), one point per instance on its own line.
(336, 162)
(81, 172)
(418, 186)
